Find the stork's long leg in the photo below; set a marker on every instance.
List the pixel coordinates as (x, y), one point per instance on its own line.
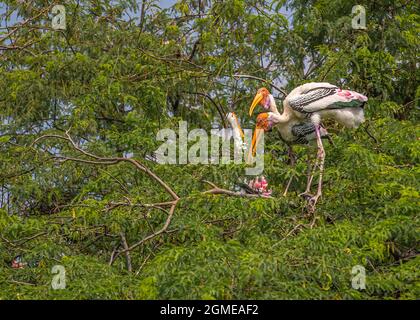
(309, 176)
(320, 158)
(311, 171)
(287, 186)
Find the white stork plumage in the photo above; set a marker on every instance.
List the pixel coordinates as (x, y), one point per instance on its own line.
(293, 130)
(237, 133)
(303, 110)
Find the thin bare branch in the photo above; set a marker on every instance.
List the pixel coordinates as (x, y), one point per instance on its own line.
(97, 160)
(217, 190)
(127, 253)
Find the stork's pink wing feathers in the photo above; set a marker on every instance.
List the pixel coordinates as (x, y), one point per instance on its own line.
(351, 95)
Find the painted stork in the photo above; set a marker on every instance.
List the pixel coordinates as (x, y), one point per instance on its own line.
(303, 110)
(292, 131)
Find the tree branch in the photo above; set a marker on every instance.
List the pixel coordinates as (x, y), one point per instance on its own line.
(98, 160)
(282, 91)
(216, 190)
(127, 253)
(219, 108)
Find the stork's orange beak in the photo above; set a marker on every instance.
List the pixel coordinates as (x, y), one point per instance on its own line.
(255, 139)
(240, 130)
(257, 99)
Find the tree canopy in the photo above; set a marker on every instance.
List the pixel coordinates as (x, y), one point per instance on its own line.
(80, 109)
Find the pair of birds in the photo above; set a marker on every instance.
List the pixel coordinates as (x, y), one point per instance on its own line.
(300, 122)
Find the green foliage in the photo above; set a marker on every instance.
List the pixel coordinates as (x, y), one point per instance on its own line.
(113, 82)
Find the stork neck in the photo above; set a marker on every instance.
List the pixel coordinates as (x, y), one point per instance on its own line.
(277, 116)
(272, 104)
(280, 118)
